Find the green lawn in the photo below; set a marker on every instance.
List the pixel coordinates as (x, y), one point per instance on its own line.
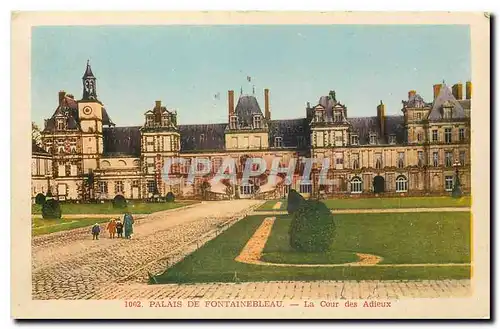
(380, 203)
(44, 226)
(403, 238)
(399, 238)
(107, 208)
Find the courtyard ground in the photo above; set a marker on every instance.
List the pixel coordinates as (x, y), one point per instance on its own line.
(69, 265)
(382, 203)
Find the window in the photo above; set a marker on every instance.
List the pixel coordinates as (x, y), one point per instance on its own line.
(392, 139)
(447, 135)
(337, 116)
(401, 160)
(447, 113)
(103, 187)
(60, 124)
(354, 140)
(338, 140)
(355, 164)
(461, 134)
(135, 183)
(202, 138)
(233, 122)
(373, 139)
(257, 121)
(247, 189)
(319, 116)
(418, 115)
(448, 157)
(151, 186)
(461, 157)
(419, 137)
(448, 183)
(300, 141)
(356, 185)
(420, 156)
(435, 135)
(435, 159)
(149, 120)
(378, 164)
(401, 184)
(305, 188)
(119, 187)
(339, 161)
(278, 141)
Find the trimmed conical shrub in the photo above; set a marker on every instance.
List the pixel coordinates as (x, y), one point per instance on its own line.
(294, 201)
(51, 209)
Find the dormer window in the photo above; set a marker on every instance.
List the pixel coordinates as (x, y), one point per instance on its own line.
(446, 112)
(278, 141)
(354, 140)
(164, 121)
(233, 122)
(337, 116)
(392, 139)
(202, 138)
(149, 120)
(373, 138)
(418, 116)
(60, 124)
(257, 121)
(319, 115)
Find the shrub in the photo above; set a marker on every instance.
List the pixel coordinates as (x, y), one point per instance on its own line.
(40, 199)
(294, 201)
(51, 209)
(312, 228)
(119, 201)
(170, 197)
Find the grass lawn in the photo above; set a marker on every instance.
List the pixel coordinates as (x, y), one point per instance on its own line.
(382, 203)
(41, 226)
(107, 208)
(399, 238)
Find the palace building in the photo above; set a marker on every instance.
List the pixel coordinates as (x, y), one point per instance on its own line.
(83, 155)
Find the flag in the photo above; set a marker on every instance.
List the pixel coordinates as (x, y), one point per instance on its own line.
(249, 79)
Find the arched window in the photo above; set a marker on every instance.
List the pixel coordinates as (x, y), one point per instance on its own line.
(356, 185)
(378, 164)
(355, 164)
(401, 184)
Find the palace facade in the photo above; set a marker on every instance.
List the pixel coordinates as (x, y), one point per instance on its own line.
(83, 155)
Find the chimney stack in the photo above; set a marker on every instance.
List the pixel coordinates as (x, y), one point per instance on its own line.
(457, 91)
(266, 104)
(437, 89)
(62, 93)
(468, 90)
(411, 93)
(230, 102)
(381, 118)
(157, 111)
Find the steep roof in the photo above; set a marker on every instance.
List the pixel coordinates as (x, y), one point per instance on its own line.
(245, 109)
(363, 126)
(329, 104)
(36, 149)
(446, 98)
(119, 141)
(290, 131)
(202, 137)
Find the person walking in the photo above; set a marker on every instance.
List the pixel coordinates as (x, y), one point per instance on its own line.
(111, 228)
(95, 231)
(119, 228)
(128, 222)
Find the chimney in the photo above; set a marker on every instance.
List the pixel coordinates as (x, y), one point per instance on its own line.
(157, 111)
(381, 118)
(468, 90)
(437, 89)
(62, 93)
(457, 91)
(230, 100)
(412, 93)
(266, 104)
(157, 104)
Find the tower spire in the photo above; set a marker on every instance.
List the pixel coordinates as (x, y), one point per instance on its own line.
(89, 84)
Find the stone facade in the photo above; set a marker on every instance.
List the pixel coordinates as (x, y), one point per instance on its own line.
(84, 156)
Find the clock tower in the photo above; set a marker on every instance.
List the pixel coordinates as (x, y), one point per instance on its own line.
(90, 111)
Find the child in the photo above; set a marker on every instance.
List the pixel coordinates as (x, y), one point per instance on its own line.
(95, 231)
(111, 228)
(119, 228)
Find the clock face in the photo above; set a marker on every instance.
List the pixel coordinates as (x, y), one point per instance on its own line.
(87, 110)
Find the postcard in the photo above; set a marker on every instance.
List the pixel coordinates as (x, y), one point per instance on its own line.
(244, 165)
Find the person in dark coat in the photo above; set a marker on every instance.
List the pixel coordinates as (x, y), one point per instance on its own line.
(95, 231)
(119, 228)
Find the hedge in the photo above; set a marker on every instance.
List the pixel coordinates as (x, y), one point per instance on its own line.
(51, 209)
(119, 201)
(294, 201)
(312, 228)
(40, 199)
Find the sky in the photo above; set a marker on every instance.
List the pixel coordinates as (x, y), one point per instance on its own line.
(187, 66)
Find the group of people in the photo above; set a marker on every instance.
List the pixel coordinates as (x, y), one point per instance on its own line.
(116, 227)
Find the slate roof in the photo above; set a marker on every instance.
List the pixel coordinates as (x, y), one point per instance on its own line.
(122, 141)
(245, 109)
(363, 126)
(35, 149)
(290, 130)
(328, 104)
(446, 97)
(416, 101)
(192, 140)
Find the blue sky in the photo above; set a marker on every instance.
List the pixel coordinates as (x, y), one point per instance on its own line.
(185, 66)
